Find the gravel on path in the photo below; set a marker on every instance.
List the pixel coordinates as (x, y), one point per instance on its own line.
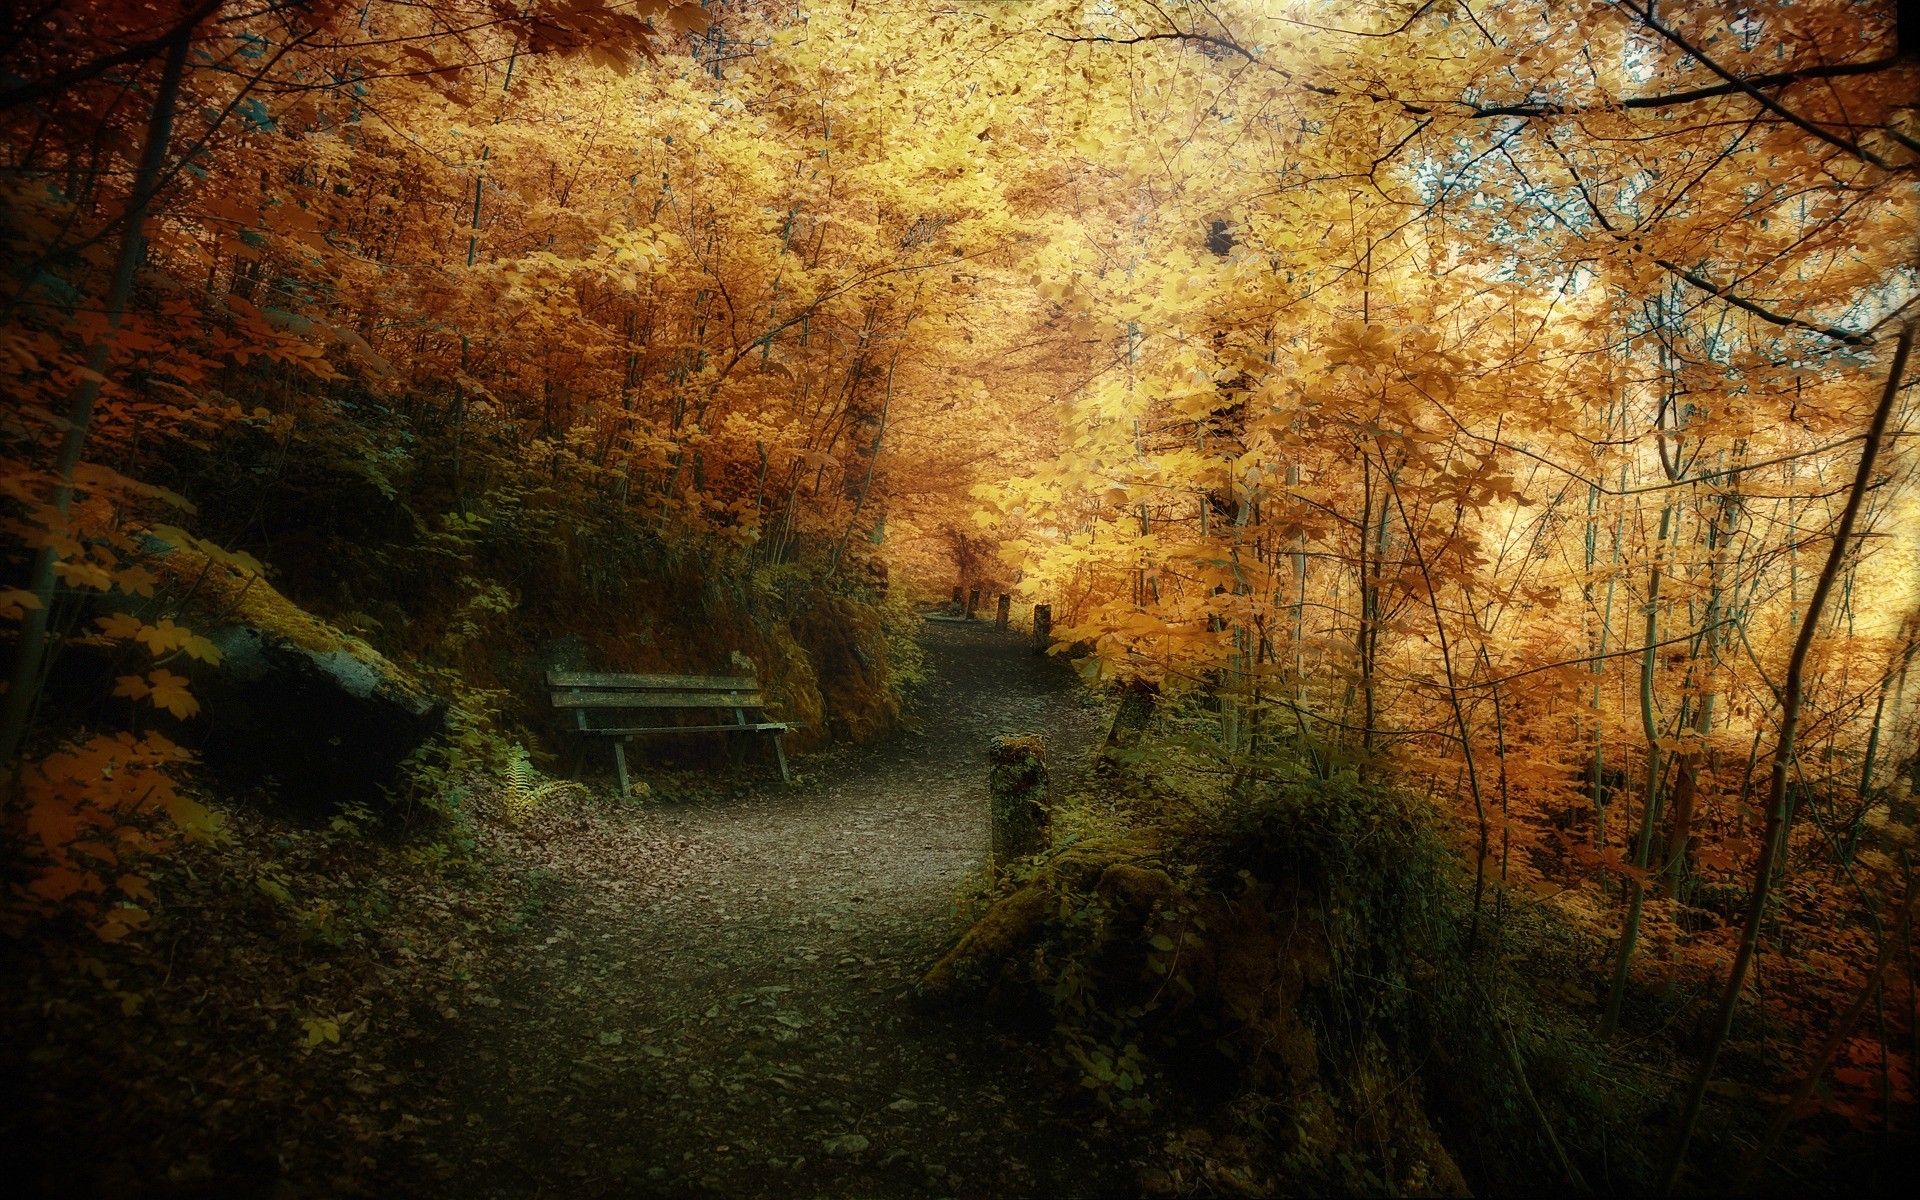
(715, 1002)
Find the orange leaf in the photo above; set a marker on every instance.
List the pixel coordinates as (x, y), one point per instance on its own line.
(688, 18)
(135, 581)
(119, 922)
(14, 600)
(84, 574)
(57, 883)
(119, 625)
(170, 692)
(164, 637)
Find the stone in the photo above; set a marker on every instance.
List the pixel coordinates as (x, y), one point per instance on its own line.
(330, 726)
(292, 699)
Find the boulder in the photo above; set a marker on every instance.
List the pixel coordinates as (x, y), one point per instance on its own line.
(328, 726)
(293, 700)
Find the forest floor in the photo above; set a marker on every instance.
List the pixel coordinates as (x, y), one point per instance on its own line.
(718, 1002)
(706, 992)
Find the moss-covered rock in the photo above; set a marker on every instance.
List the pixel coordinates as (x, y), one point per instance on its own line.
(292, 701)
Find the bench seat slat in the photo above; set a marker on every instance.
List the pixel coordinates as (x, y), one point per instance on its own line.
(752, 727)
(578, 699)
(655, 683)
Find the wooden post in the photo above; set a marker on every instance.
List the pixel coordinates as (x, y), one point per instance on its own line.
(780, 753)
(1042, 628)
(620, 765)
(1017, 791)
(1005, 616)
(973, 602)
(956, 599)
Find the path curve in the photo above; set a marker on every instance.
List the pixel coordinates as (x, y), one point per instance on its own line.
(726, 1014)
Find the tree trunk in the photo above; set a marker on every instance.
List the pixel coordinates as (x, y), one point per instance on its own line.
(1773, 838)
(30, 650)
(1650, 795)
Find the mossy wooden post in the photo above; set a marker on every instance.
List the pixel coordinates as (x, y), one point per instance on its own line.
(973, 603)
(1017, 791)
(957, 593)
(1137, 700)
(1042, 628)
(1005, 616)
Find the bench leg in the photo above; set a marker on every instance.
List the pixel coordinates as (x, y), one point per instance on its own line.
(780, 752)
(620, 765)
(737, 750)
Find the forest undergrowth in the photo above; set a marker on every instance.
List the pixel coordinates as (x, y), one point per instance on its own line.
(272, 1027)
(1287, 977)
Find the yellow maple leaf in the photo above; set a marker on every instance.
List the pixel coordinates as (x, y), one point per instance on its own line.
(320, 1029)
(688, 18)
(119, 922)
(15, 601)
(164, 637)
(119, 625)
(135, 581)
(170, 692)
(84, 574)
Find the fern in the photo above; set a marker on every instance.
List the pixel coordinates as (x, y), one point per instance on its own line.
(525, 789)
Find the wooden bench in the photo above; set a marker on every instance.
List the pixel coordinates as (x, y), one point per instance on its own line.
(621, 707)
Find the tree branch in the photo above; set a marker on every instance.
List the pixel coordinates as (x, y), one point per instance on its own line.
(1767, 315)
(27, 93)
(1765, 101)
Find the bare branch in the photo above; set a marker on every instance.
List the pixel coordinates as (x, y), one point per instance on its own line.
(1747, 86)
(60, 81)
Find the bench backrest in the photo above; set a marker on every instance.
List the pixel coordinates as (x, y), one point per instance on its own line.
(600, 689)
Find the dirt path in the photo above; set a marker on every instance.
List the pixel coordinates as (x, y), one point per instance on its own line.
(726, 1015)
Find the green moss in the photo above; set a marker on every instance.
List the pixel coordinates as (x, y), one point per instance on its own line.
(221, 595)
(1273, 963)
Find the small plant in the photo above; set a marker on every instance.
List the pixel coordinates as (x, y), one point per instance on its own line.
(525, 789)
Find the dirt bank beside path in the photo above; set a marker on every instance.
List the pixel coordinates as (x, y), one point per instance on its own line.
(712, 1002)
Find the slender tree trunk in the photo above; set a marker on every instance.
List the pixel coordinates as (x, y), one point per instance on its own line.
(30, 650)
(1773, 838)
(1649, 793)
(1459, 712)
(1599, 677)
(879, 437)
(1864, 794)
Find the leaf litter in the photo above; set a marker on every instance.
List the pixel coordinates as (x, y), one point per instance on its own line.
(698, 999)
